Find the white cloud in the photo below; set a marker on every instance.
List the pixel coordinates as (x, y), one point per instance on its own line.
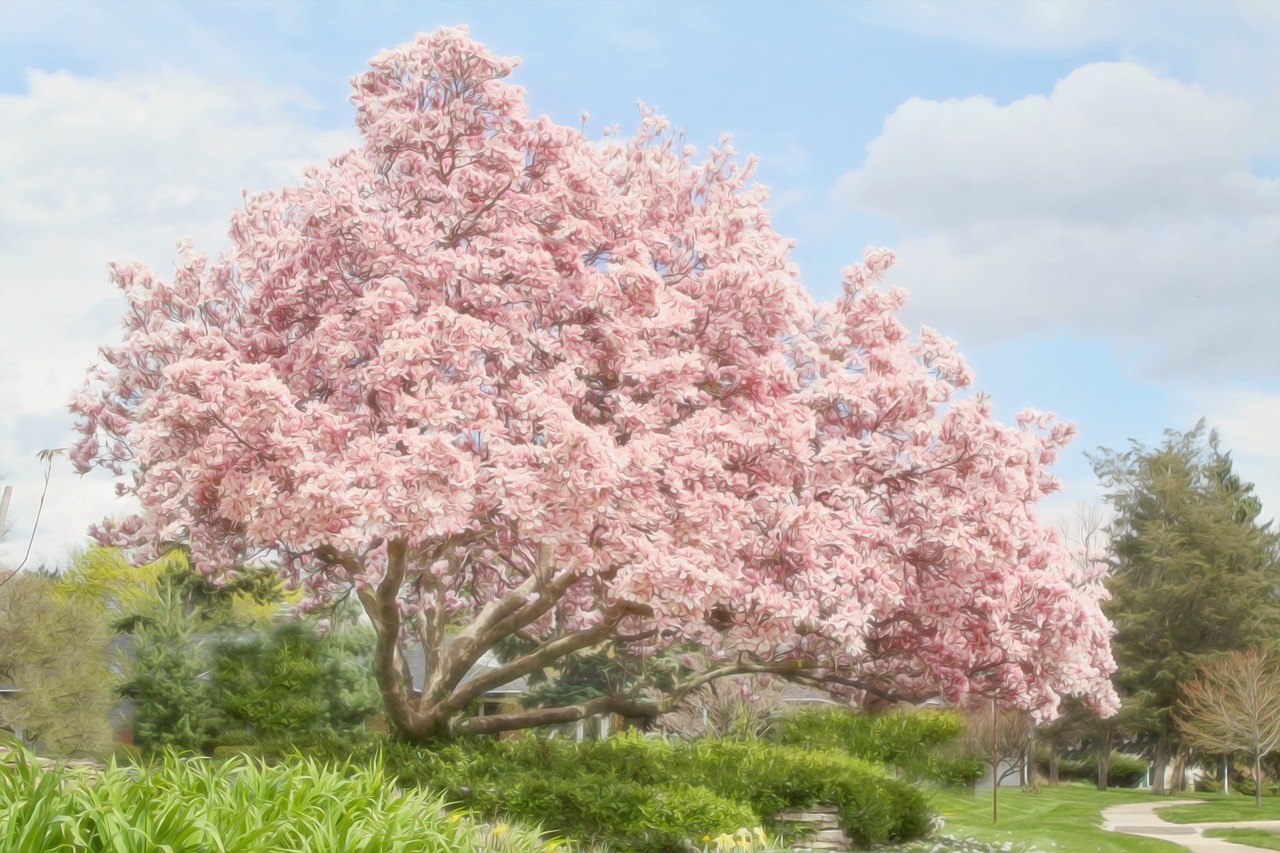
(1122, 203)
(1248, 421)
(107, 169)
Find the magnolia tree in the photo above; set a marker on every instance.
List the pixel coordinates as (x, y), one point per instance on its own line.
(505, 381)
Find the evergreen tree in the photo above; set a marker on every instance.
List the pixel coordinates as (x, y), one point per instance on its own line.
(173, 700)
(293, 682)
(1194, 574)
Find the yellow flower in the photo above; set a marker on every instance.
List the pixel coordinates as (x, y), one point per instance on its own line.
(499, 829)
(760, 835)
(706, 838)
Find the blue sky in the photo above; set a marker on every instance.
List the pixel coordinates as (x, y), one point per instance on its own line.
(1083, 195)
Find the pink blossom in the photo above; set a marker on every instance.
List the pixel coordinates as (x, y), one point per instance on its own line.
(486, 337)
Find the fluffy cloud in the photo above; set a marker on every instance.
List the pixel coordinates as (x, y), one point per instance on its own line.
(1123, 203)
(107, 169)
(1246, 420)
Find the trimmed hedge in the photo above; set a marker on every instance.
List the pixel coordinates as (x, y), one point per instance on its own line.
(644, 795)
(1125, 771)
(919, 744)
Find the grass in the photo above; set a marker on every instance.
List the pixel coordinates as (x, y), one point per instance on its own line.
(1265, 838)
(1221, 808)
(1066, 819)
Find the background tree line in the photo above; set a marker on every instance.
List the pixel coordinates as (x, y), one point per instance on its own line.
(1194, 577)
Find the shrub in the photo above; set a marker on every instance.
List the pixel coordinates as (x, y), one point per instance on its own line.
(873, 808)
(920, 744)
(290, 683)
(173, 704)
(1247, 787)
(646, 795)
(1125, 771)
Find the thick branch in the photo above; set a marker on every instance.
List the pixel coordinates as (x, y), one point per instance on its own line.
(535, 660)
(501, 618)
(565, 714)
(383, 610)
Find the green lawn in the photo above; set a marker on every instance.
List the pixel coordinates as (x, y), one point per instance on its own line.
(1219, 808)
(1066, 819)
(1265, 838)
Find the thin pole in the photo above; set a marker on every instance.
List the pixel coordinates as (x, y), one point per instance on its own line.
(4, 505)
(995, 764)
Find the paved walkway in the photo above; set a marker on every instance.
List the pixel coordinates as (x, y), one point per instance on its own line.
(1140, 819)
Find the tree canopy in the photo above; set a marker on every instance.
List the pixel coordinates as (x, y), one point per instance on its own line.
(1195, 573)
(501, 379)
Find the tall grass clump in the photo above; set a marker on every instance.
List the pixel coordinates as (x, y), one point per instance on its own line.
(237, 806)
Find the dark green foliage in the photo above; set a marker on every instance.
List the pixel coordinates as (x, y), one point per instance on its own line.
(606, 670)
(173, 706)
(919, 744)
(1123, 771)
(1195, 573)
(291, 682)
(1245, 785)
(195, 693)
(649, 795)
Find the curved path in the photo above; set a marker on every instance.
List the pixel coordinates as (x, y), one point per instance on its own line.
(1140, 819)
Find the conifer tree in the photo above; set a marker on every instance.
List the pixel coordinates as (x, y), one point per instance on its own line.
(1195, 573)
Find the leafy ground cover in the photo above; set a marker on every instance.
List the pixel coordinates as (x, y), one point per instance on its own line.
(1221, 808)
(1267, 839)
(1065, 819)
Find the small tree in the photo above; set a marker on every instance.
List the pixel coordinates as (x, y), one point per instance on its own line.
(293, 682)
(997, 734)
(54, 650)
(174, 707)
(742, 706)
(1234, 705)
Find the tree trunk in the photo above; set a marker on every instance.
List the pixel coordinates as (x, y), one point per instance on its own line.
(1257, 779)
(1179, 780)
(1053, 764)
(1161, 762)
(1104, 759)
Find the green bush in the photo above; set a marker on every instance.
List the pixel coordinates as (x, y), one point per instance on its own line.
(236, 807)
(873, 808)
(631, 793)
(919, 744)
(173, 704)
(291, 683)
(1247, 787)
